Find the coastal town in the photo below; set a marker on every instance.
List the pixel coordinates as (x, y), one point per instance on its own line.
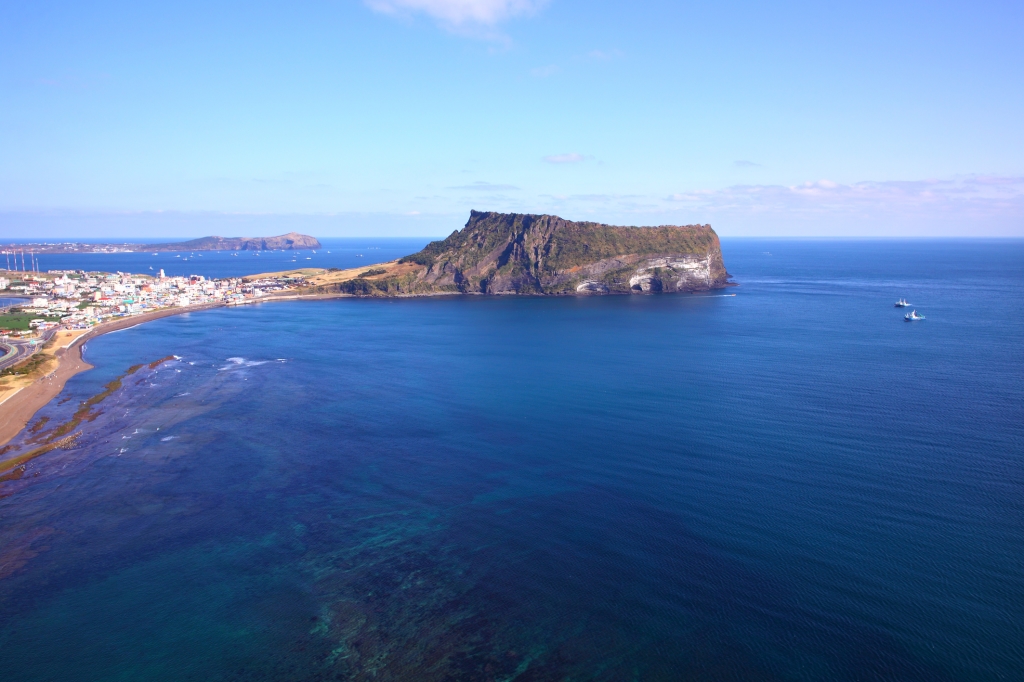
(79, 300)
(45, 318)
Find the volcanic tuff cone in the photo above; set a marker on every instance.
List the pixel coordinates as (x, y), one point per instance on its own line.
(512, 253)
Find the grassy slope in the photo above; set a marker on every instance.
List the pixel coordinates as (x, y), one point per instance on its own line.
(572, 244)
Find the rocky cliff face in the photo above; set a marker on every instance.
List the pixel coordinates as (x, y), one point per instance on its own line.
(511, 253)
(292, 240)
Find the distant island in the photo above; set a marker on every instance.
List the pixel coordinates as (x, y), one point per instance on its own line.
(514, 253)
(284, 242)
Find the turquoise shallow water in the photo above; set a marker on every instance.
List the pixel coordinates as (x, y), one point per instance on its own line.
(788, 484)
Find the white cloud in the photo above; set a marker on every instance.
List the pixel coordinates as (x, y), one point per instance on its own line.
(486, 186)
(566, 158)
(603, 55)
(963, 206)
(972, 194)
(966, 206)
(459, 13)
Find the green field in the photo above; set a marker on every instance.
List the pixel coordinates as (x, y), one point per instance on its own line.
(19, 322)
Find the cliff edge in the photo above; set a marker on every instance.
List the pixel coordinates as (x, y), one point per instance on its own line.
(512, 253)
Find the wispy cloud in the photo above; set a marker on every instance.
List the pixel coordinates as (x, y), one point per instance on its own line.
(566, 158)
(75, 81)
(962, 206)
(486, 187)
(747, 164)
(545, 71)
(971, 197)
(459, 13)
(603, 55)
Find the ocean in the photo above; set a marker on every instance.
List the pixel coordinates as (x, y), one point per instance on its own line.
(782, 480)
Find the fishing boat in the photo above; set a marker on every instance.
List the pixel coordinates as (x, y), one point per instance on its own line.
(902, 303)
(912, 316)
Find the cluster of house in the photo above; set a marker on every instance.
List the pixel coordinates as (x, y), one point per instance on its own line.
(78, 300)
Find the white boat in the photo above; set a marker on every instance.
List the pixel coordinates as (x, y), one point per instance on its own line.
(902, 303)
(912, 316)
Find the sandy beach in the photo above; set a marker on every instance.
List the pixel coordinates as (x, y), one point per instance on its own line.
(18, 407)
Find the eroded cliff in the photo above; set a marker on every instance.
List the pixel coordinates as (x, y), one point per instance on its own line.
(512, 253)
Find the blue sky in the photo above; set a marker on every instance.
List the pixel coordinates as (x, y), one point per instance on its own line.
(396, 117)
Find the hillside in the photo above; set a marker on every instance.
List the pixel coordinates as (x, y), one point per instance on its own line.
(511, 253)
(292, 240)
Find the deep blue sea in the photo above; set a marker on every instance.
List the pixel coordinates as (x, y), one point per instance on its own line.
(791, 483)
(336, 253)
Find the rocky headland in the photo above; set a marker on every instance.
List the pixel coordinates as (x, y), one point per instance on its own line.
(513, 253)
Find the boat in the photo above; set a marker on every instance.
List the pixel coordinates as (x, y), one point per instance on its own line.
(902, 303)
(912, 316)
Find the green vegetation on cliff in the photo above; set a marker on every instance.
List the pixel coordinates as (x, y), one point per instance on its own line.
(567, 244)
(510, 253)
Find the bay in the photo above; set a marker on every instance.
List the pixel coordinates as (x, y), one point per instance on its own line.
(791, 483)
